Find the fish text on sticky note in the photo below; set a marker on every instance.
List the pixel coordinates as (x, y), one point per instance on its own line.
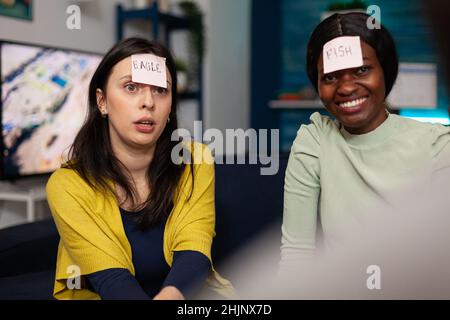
(149, 69)
(342, 53)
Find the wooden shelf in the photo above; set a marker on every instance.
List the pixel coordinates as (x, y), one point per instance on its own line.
(296, 104)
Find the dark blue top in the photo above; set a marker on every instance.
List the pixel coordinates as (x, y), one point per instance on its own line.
(152, 273)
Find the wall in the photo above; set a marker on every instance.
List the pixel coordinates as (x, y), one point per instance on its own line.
(49, 25)
(227, 82)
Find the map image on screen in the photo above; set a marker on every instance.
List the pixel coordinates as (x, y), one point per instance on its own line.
(44, 103)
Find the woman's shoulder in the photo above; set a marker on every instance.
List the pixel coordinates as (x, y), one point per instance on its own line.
(193, 145)
(434, 130)
(63, 174)
(408, 123)
(66, 179)
(321, 121)
(201, 153)
(319, 126)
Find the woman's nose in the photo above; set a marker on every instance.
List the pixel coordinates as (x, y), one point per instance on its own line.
(346, 85)
(147, 98)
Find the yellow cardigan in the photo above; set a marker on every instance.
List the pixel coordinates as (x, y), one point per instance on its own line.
(93, 237)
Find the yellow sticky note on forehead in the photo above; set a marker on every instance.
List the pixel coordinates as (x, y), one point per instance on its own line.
(342, 53)
(149, 69)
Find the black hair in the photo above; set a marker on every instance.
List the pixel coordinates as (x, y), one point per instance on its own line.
(92, 156)
(353, 24)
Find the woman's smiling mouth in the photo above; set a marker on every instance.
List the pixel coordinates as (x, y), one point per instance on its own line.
(352, 103)
(351, 106)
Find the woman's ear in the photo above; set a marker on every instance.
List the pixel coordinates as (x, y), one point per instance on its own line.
(101, 101)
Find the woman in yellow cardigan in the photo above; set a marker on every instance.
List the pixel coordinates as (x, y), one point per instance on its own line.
(133, 223)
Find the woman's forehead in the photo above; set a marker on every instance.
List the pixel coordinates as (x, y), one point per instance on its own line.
(122, 69)
(368, 53)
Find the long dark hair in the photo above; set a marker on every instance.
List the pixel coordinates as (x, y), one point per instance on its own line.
(92, 156)
(353, 24)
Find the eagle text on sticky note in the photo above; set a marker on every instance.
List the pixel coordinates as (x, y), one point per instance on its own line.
(342, 53)
(149, 69)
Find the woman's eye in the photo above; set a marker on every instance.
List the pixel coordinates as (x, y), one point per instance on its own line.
(160, 90)
(328, 78)
(131, 87)
(363, 70)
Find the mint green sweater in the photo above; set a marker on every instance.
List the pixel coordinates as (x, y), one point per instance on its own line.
(336, 178)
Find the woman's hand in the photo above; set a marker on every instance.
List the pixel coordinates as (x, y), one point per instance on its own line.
(169, 293)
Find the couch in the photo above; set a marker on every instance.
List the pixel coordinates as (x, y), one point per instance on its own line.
(247, 203)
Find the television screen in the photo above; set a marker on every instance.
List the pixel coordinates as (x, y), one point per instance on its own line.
(43, 105)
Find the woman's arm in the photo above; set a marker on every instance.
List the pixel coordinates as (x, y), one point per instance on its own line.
(188, 273)
(301, 198)
(116, 284)
(191, 225)
(87, 241)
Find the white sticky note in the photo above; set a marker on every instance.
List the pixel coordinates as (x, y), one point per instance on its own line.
(342, 53)
(149, 69)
